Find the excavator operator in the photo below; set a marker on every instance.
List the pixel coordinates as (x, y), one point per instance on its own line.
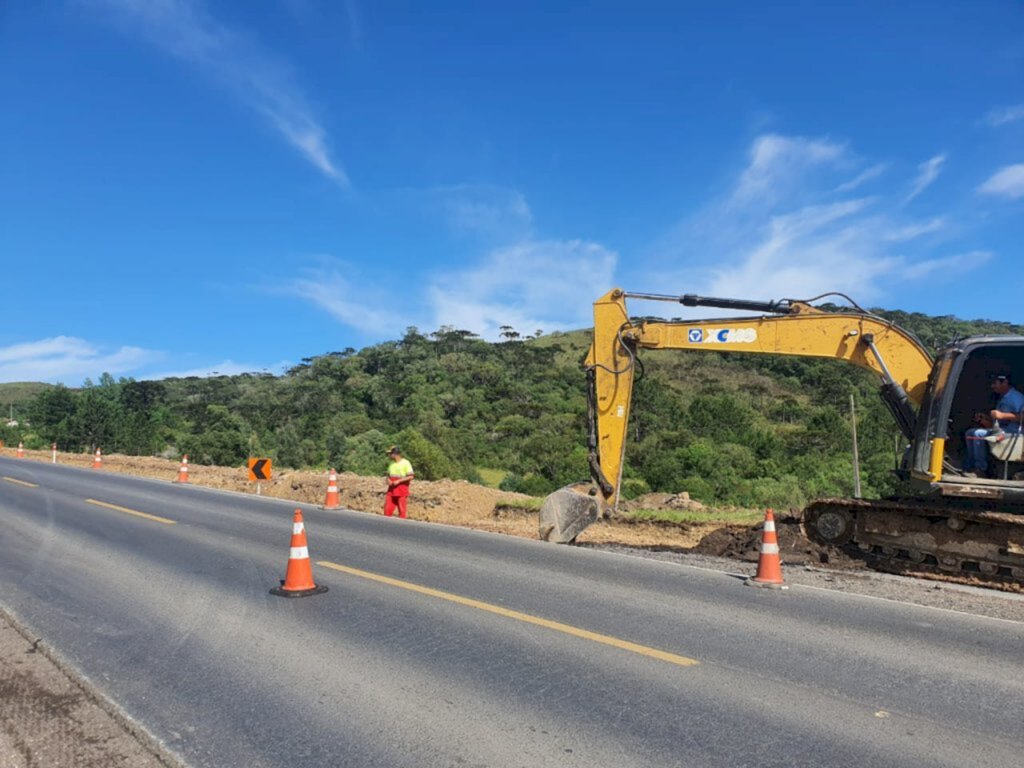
(992, 425)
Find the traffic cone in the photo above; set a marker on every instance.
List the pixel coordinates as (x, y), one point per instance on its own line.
(769, 565)
(298, 579)
(97, 461)
(183, 471)
(21, 450)
(331, 502)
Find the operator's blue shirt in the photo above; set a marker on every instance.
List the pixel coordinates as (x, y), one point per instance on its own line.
(1011, 402)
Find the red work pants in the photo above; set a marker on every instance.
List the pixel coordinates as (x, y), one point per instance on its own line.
(392, 500)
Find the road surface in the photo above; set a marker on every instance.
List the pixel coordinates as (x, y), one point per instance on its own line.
(438, 646)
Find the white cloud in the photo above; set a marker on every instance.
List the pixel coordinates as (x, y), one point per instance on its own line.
(1006, 182)
(927, 172)
(484, 210)
(775, 159)
(69, 360)
(862, 178)
(1004, 115)
(807, 252)
(804, 242)
(546, 285)
(526, 283)
(356, 303)
(914, 230)
(949, 266)
(184, 29)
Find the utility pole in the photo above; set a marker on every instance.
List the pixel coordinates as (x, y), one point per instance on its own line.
(856, 456)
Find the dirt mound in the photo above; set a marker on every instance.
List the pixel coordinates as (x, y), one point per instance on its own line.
(677, 501)
(744, 543)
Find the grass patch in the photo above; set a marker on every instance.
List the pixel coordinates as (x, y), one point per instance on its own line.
(491, 477)
(732, 516)
(530, 504)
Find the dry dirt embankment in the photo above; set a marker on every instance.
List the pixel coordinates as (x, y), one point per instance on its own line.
(457, 502)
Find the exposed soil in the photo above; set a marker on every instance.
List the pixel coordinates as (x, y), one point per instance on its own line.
(453, 502)
(458, 502)
(740, 542)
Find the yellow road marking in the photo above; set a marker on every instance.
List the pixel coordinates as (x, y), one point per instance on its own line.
(131, 511)
(20, 482)
(615, 642)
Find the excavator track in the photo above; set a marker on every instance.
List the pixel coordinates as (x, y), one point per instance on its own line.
(965, 544)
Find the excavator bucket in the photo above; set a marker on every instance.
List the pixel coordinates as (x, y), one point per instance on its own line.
(567, 512)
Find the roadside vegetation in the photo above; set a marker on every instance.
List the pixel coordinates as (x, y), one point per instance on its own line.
(736, 430)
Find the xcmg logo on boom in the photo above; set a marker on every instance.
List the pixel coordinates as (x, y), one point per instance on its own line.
(723, 335)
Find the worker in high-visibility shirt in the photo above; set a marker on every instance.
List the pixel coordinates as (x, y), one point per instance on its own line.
(399, 477)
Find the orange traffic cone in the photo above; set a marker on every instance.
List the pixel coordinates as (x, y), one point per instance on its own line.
(97, 460)
(769, 565)
(298, 579)
(183, 471)
(21, 450)
(331, 502)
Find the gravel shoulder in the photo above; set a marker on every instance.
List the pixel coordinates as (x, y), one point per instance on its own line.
(51, 718)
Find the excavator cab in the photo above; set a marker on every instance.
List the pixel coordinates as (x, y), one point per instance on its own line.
(960, 386)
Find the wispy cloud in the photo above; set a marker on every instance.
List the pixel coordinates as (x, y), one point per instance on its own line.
(1004, 115)
(69, 360)
(808, 251)
(335, 287)
(775, 160)
(805, 242)
(862, 178)
(957, 264)
(914, 230)
(513, 279)
(927, 172)
(1007, 182)
(481, 209)
(184, 29)
(545, 285)
(355, 25)
(530, 285)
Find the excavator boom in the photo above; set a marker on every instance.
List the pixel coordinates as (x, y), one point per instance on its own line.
(786, 327)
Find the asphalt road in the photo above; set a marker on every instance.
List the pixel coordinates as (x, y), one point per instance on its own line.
(474, 649)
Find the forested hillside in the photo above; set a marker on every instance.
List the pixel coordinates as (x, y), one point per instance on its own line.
(730, 429)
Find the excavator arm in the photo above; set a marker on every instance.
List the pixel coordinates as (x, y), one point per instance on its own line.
(784, 328)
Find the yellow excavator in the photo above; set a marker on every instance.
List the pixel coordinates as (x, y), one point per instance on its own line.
(949, 522)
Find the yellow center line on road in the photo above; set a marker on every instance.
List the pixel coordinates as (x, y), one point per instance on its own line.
(615, 642)
(127, 511)
(20, 482)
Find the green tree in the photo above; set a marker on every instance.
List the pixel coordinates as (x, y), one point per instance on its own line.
(428, 460)
(222, 439)
(51, 413)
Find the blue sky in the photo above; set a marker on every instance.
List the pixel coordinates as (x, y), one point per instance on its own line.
(190, 186)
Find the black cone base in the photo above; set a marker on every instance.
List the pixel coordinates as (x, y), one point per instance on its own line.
(282, 592)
